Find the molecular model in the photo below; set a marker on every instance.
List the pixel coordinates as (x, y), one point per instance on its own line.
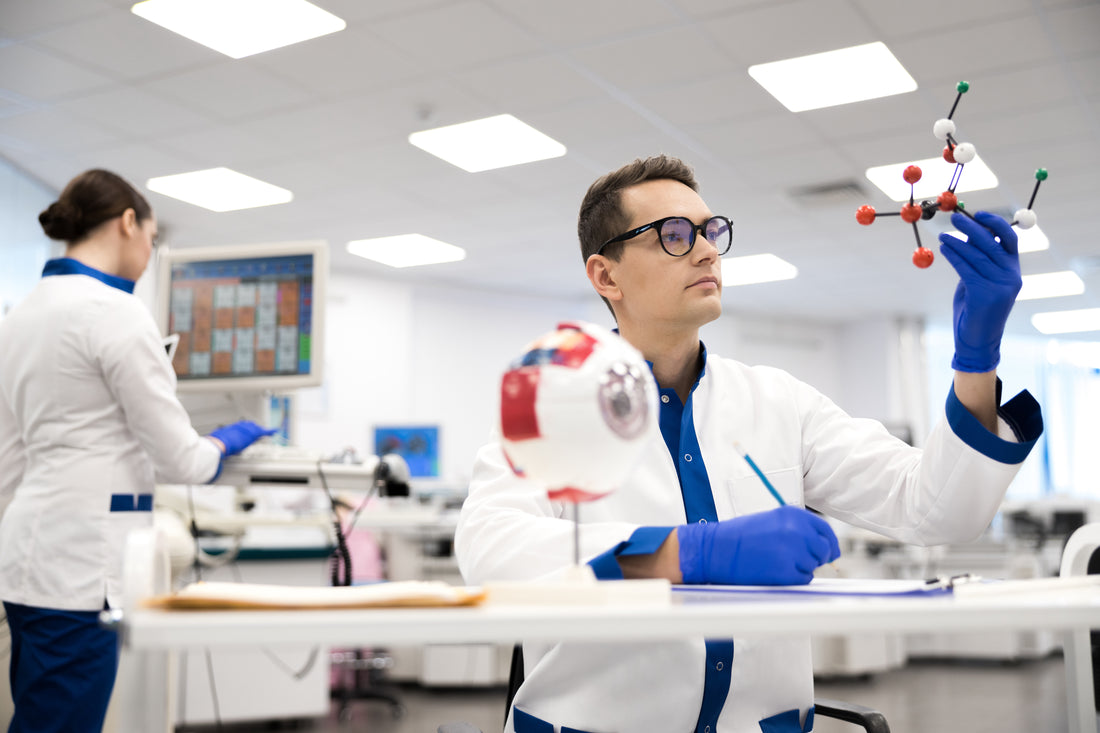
(960, 154)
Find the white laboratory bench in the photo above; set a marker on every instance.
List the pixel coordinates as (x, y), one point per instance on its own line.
(1073, 611)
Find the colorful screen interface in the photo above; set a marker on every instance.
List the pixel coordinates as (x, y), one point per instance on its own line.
(242, 318)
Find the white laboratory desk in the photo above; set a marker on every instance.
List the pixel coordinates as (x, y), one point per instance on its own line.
(689, 615)
(686, 616)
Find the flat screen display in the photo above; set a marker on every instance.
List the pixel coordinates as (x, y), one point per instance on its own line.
(418, 445)
(238, 318)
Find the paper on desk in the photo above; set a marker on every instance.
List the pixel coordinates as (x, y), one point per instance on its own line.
(824, 586)
(252, 596)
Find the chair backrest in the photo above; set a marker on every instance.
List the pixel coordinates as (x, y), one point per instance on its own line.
(515, 679)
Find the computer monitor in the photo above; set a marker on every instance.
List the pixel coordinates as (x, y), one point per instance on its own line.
(418, 445)
(249, 316)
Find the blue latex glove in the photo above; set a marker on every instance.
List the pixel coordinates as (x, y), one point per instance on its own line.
(239, 435)
(989, 279)
(779, 547)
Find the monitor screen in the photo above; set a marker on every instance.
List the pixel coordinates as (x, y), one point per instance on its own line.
(247, 316)
(418, 445)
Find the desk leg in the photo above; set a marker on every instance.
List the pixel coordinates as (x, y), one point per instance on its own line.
(1079, 695)
(144, 692)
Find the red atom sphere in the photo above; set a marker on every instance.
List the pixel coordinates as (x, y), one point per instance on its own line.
(922, 257)
(948, 201)
(865, 215)
(949, 154)
(910, 213)
(911, 174)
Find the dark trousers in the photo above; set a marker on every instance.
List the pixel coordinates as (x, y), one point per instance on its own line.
(63, 667)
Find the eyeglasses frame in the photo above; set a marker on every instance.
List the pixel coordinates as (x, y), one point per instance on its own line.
(656, 225)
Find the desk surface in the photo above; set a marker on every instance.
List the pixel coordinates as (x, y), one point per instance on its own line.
(686, 616)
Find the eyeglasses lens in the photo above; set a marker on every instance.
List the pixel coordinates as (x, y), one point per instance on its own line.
(719, 234)
(676, 235)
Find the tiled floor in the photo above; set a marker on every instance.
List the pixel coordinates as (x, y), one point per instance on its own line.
(923, 697)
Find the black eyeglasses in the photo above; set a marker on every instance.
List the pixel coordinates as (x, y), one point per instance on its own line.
(677, 234)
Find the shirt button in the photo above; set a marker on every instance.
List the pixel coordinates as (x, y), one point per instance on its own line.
(707, 729)
(719, 666)
(687, 457)
(664, 398)
(702, 521)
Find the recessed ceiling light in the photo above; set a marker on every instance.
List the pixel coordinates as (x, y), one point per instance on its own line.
(219, 189)
(834, 77)
(485, 144)
(1051, 285)
(752, 269)
(1086, 319)
(1027, 240)
(936, 174)
(240, 28)
(406, 250)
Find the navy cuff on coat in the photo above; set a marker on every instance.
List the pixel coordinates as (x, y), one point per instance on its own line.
(644, 541)
(1023, 415)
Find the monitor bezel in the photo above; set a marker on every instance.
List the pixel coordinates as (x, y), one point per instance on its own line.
(278, 383)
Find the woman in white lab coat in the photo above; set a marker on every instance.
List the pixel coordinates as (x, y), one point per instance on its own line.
(89, 422)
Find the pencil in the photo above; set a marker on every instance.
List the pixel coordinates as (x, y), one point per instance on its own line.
(759, 473)
(768, 485)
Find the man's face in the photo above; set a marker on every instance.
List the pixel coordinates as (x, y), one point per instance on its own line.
(658, 289)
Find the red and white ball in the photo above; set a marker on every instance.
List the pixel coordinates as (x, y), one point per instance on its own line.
(577, 409)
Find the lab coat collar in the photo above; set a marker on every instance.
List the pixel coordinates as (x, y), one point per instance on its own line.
(69, 266)
(702, 369)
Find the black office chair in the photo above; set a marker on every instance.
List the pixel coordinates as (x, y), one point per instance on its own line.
(872, 720)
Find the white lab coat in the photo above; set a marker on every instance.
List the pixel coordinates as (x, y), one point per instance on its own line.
(87, 410)
(812, 452)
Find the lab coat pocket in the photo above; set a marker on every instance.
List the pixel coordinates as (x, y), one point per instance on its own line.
(749, 495)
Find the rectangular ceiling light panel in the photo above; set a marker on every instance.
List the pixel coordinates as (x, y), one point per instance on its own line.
(219, 189)
(1087, 319)
(406, 250)
(1051, 285)
(240, 28)
(835, 77)
(752, 269)
(936, 174)
(485, 144)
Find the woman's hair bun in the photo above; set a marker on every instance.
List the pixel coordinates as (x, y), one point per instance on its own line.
(61, 221)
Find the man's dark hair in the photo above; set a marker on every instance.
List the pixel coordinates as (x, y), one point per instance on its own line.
(602, 216)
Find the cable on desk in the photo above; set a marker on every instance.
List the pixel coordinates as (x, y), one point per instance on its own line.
(341, 556)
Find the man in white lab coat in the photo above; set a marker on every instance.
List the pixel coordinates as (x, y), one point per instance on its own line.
(692, 511)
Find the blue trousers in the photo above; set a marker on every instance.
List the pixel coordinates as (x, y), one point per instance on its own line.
(63, 667)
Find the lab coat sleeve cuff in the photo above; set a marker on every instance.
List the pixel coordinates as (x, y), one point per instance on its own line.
(1021, 415)
(644, 541)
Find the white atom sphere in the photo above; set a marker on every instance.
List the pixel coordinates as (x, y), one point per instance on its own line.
(1025, 218)
(964, 152)
(943, 128)
(577, 409)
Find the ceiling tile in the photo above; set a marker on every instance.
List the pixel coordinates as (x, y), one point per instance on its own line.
(344, 63)
(1074, 31)
(21, 20)
(134, 111)
(456, 36)
(571, 23)
(657, 58)
(775, 31)
(48, 132)
(40, 75)
(230, 91)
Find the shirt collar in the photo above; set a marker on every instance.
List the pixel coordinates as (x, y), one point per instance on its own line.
(69, 266)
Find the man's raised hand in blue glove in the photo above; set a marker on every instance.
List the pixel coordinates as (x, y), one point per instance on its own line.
(779, 547)
(235, 437)
(988, 264)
